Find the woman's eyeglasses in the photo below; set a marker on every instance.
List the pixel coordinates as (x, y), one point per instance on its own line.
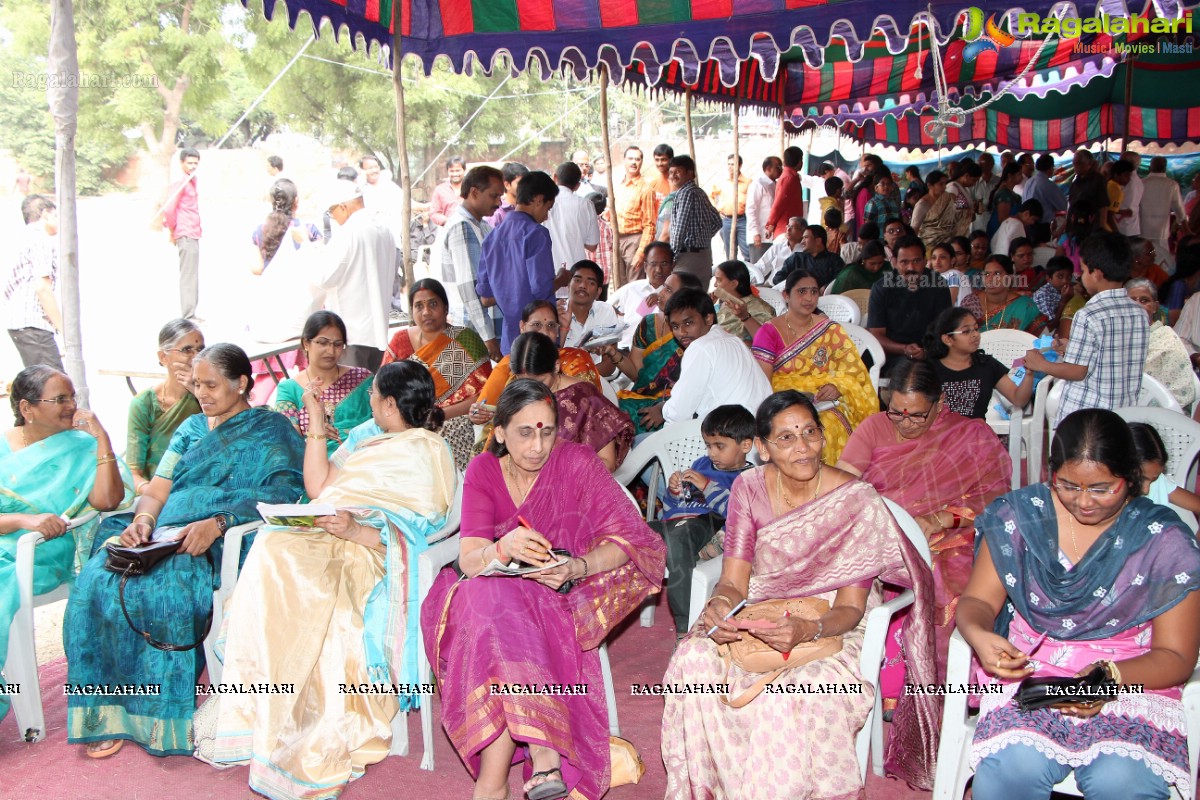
(1098, 492)
(901, 416)
(543, 326)
(336, 344)
(62, 399)
(788, 440)
(963, 331)
(894, 231)
(189, 352)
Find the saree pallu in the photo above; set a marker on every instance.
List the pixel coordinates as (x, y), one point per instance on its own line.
(572, 361)
(662, 358)
(53, 476)
(811, 713)
(759, 310)
(941, 220)
(823, 354)
(926, 475)
(151, 428)
(492, 631)
(316, 612)
(587, 417)
(457, 360)
(251, 457)
(348, 399)
(1103, 607)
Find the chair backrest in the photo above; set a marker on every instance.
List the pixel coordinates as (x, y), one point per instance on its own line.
(453, 513)
(1006, 346)
(865, 341)
(1180, 434)
(1154, 393)
(863, 298)
(840, 309)
(675, 447)
(774, 298)
(911, 529)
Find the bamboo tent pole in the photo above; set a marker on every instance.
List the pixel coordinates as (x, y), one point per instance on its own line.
(617, 277)
(687, 114)
(402, 147)
(737, 173)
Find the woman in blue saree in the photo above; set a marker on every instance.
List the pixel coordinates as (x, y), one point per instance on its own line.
(55, 464)
(335, 605)
(217, 467)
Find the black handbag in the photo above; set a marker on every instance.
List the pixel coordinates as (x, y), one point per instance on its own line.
(131, 562)
(1035, 693)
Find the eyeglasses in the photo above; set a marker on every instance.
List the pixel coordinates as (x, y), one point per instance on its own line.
(1071, 490)
(336, 344)
(902, 416)
(543, 326)
(964, 331)
(660, 264)
(894, 230)
(788, 440)
(187, 352)
(62, 399)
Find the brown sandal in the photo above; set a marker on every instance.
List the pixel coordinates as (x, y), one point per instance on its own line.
(111, 750)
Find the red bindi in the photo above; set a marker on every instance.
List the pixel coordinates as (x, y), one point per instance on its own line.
(539, 425)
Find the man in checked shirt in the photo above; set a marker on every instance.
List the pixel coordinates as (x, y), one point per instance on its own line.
(694, 221)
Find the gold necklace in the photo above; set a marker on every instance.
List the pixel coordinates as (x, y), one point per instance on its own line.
(512, 475)
(1071, 530)
(987, 315)
(783, 495)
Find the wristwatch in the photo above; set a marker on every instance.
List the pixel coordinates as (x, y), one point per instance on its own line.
(222, 523)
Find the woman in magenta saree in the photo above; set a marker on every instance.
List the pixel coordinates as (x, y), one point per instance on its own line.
(486, 634)
(798, 529)
(941, 468)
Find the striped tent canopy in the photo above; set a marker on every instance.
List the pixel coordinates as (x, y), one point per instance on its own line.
(577, 35)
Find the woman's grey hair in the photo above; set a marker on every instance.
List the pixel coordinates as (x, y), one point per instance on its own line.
(231, 361)
(174, 331)
(1143, 283)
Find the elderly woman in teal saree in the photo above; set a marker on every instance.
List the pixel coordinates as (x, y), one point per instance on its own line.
(55, 464)
(216, 469)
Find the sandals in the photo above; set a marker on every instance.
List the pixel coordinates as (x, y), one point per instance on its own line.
(549, 789)
(111, 750)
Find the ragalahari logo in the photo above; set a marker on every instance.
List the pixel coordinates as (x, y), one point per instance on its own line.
(981, 36)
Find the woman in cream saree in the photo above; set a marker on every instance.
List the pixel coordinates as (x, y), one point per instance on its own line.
(320, 610)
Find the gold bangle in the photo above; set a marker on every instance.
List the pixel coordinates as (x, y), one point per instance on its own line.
(153, 519)
(315, 436)
(108, 459)
(138, 489)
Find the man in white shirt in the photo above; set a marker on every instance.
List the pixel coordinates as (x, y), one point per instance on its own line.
(783, 247)
(1160, 199)
(717, 368)
(574, 229)
(360, 263)
(1016, 226)
(758, 207)
(632, 301)
(1131, 224)
(816, 190)
(385, 199)
(582, 310)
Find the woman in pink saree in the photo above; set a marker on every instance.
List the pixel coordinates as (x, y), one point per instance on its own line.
(486, 635)
(941, 468)
(797, 528)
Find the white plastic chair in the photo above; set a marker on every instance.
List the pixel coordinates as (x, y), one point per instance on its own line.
(707, 573)
(862, 298)
(1154, 393)
(864, 340)
(1179, 433)
(774, 297)
(231, 551)
(1046, 398)
(840, 309)
(1006, 346)
(672, 449)
(958, 729)
(20, 666)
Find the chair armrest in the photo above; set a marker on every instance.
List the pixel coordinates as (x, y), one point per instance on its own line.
(875, 635)
(25, 547)
(231, 554)
(433, 560)
(704, 578)
(958, 671)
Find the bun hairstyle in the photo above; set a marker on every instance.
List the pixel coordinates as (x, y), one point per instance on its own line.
(533, 353)
(516, 396)
(283, 200)
(915, 377)
(949, 320)
(28, 385)
(174, 331)
(409, 384)
(231, 361)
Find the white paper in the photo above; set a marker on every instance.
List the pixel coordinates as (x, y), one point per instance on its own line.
(294, 515)
(496, 568)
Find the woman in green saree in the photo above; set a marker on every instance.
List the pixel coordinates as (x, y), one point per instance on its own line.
(57, 463)
(156, 413)
(218, 467)
(344, 391)
(653, 364)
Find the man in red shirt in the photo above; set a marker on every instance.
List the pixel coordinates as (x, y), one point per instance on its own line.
(788, 200)
(181, 218)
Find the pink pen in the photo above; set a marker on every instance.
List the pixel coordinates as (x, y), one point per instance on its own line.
(1036, 644)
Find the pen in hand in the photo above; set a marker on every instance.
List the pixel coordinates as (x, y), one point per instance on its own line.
(732, 611)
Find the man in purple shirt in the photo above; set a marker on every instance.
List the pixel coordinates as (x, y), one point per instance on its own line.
(517, 264)
(181, 218)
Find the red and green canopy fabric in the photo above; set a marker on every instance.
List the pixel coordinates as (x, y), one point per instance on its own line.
(580, 34)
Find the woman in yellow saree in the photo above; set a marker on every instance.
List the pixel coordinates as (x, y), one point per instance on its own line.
(808, 352)
(335, 606)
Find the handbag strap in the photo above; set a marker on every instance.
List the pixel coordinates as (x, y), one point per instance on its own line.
(754, 690)
(150, 640)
